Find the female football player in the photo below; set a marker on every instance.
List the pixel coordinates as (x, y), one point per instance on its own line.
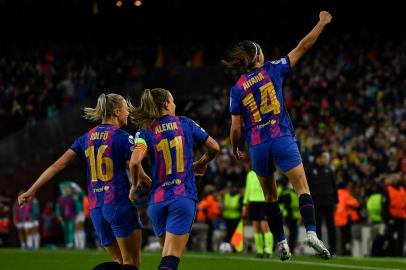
(257, 98)
(107, 149)
(168, 139)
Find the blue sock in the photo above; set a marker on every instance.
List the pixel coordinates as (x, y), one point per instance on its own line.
(306, 207)
(275, 220)
(169, 263)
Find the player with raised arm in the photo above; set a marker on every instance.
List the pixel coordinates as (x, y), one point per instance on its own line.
(168, 140)
(257, 97)
(107, 150)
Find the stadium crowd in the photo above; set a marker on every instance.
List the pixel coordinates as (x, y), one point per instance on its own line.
(347, 98)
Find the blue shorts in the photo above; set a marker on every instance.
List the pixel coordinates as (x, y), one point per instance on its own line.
(111, 221)
(175, 216)
(282, 152)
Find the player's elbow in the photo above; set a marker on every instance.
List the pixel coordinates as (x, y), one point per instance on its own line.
(216, 147)
(213, 145)
(134, 162)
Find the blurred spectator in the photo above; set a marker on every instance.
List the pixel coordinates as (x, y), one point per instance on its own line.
(65, 212)
(289, 204)
(78, 198)
(33, 230)
(5, 218)
(345, 215)
(208, 211)
(322, 186)
(395, 203)
(49, 226)
(22, 218)
(254, 203)
(374, 205)
(232, 207)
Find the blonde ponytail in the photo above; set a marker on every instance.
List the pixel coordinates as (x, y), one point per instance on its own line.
(104, 107)
(152, 101)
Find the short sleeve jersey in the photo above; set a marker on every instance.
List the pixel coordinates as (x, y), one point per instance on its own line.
(258, 97)
(106, 149)
(169, 142)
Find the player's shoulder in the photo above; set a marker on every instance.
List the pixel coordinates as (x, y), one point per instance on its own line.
(188, 121)
(83, 136)
(184, 119)
(123, 135)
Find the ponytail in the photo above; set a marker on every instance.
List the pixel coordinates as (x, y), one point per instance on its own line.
(152, 101)
(104, 107)
(242, 57)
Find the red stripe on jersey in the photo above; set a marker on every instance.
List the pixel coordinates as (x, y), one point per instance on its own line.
(159, 195)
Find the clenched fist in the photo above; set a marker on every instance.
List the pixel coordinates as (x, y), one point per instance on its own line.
(325, 17)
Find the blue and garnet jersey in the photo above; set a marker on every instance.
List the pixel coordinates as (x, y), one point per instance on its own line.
(169, 142)
(106, 149)
(258, 97)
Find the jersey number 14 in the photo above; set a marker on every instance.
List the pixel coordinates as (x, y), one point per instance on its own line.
(269, 102)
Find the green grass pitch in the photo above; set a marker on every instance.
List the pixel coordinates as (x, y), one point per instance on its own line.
(14, 259)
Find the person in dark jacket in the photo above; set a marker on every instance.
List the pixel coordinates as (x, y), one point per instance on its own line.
(323, 189)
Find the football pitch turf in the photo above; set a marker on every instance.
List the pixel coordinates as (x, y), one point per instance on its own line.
(14, 259)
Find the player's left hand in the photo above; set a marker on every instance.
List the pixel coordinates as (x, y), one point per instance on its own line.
(199, 168)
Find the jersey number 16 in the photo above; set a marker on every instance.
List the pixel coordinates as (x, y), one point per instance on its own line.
(96, 164)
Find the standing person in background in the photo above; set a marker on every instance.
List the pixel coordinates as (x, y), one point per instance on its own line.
(375, 212)
(258, 99)
(49, 223)
(78, 199)
(254, 203)
(395, 205)
(33, 232)
(5, 218)
(107, 150)
(208, 211)
(65, 212)
(20, 217)
(289, 204)
(342, 216)
(168, 139)
(323, 188)
(232, 206)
